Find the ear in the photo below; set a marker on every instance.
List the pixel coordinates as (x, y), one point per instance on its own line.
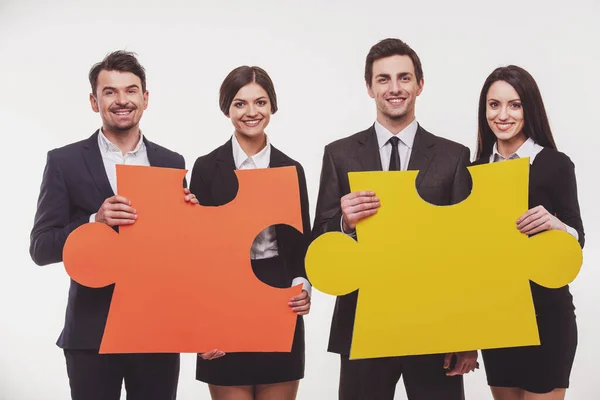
(93, 102)
(369, 90)
(146, 95)
(421, 83)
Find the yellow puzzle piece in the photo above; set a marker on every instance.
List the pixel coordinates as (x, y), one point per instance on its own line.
(440, 279)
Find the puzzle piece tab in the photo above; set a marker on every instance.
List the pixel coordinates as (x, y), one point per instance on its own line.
(440, 279)
(182, 272)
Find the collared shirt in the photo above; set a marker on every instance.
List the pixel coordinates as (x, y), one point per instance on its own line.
(265, 244)
(530, 149)
(112, 155)
(405, 145)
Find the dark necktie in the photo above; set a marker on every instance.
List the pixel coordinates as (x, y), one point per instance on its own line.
(395, 158)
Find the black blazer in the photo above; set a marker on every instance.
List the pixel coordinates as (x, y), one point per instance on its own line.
(214, 183)
(552, 184)
(74, 186)
(443, 179)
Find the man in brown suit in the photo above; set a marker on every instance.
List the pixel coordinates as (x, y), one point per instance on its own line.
(394, 78)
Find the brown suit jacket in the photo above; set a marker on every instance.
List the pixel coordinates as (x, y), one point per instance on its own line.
(443, 179)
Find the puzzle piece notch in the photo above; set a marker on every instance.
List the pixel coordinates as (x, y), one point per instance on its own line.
(419, 281)
(191, 265)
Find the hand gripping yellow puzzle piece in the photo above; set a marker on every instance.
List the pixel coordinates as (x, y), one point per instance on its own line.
(440, 279)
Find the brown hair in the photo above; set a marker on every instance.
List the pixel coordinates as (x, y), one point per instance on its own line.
(120, 60)
(240, 77)
(536, 125)
(387, 48)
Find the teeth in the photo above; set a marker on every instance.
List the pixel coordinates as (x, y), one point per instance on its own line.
(255, 122)
(396, 100)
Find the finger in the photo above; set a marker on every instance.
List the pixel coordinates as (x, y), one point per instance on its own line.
(361, 207)
(299, 303)
(119, 215)
(301, 308)
(118, 222)
(194, 201)
(361, 200)
(120, 199)
(353, 195)
(301, 296)
(530, 218)
(529, 212)
(447, 360)
(363, 214)
(120, 207)
(186, 190)
(540, 228)
(538, 223)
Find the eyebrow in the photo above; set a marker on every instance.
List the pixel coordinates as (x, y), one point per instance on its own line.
(510, 101)
(113, 88)
(258, 98)
(400, 75)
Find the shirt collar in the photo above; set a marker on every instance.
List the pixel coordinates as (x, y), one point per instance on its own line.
(529, 148)
(406, 135)
(260, 159)
(109, 147)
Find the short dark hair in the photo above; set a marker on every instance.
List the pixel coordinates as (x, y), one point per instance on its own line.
(387, 48)
(536, 125)
(120, 60)
(240, 77)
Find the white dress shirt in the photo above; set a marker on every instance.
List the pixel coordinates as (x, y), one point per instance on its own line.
(528, 149)
(405, 145)
(265, 244)
(112, 155)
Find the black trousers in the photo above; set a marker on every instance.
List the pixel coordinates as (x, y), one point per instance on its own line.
(375, 379)
(94, 376)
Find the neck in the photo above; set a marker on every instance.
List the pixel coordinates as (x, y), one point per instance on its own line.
(395, 125)
(510, 146)
(251, 144)
(125, 140)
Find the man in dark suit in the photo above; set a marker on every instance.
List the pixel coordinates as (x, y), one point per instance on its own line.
(394, 78)
(79, 186)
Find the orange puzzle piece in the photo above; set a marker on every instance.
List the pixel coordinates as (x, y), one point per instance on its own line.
(182, 273)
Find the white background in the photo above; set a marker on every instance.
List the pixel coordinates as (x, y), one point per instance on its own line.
(315, 52)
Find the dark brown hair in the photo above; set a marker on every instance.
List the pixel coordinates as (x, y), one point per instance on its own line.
(240, 77)
(387, 48)
(536, 125)
(120, 60)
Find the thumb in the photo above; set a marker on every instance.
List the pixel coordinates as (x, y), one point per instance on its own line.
(447, 360)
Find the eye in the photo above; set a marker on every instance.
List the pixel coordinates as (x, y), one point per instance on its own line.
(516, 105)
(108, 92)
(132, 91)
(238, 104)
(493, 104)
(262, 102)
(382, 80)
(406, 78)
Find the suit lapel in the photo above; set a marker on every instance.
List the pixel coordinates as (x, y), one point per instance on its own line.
(227, 187)
(153, 154)
(94, 163)
(368, 151)
(422, 153)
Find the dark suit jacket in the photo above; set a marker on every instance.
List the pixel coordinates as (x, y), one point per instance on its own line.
(214, 183)
(443, 179)
(74, 186)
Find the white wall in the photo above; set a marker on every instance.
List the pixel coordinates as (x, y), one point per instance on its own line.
(315, 53)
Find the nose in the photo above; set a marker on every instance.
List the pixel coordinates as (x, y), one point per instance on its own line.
(251, 109)
(122, 98)
(394, 86)
(503, 115)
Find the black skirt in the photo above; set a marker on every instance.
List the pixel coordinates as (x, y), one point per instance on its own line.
(537, 369)
(241, 369)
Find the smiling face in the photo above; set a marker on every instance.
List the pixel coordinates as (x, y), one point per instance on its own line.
(120, 100)
(395, 88)
(250, 111)
(504, 112)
